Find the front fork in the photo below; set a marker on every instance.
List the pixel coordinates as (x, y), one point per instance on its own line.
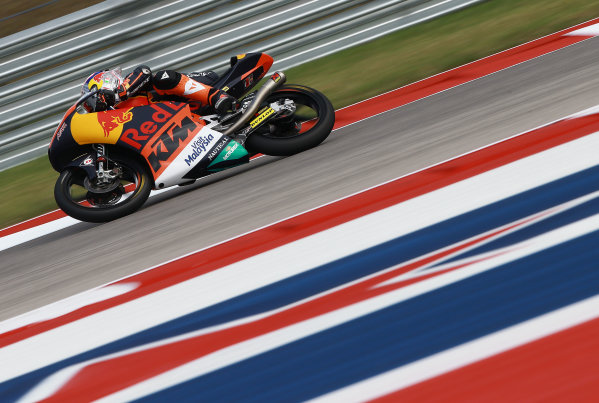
(103, 174)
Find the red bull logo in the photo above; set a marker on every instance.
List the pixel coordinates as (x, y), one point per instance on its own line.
(111, 120)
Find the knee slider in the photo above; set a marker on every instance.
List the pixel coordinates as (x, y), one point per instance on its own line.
(166, 79)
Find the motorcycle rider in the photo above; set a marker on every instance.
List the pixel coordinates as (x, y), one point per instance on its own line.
(193, 88)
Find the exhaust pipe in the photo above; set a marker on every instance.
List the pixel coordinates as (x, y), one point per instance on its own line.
(274, 82)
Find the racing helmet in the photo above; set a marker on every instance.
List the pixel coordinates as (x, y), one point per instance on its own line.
(100, 80)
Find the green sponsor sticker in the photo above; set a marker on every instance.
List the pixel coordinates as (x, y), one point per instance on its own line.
(228, 157)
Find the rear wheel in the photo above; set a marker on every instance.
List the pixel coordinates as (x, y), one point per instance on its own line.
(93, 201)
(307, 127)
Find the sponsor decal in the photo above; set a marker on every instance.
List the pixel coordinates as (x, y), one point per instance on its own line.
(87, 161)
(199, 146)
(233, 154)
(214, 153)
(111, 120)
(164, 75)
(192, 86)
(230, 151)
(137, 140)
(254, 123)
(133, 90)
(276, 77)
(171, 138)
(133, 86)
(61, 130)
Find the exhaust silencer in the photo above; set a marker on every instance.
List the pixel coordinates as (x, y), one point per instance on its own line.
(274, 82)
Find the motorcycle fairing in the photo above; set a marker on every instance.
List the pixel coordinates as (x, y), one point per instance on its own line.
(202, 156)
(132, 127)
(87, 162)
(157, 131)
(166, 134)
(100, 127)
(170, 127)
(176, 143)
(233, 154)
(63, 150)
(246, 71)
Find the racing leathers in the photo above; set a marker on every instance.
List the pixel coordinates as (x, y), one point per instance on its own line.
(170, 83)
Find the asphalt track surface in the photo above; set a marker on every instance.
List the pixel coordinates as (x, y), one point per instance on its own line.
(354, 158)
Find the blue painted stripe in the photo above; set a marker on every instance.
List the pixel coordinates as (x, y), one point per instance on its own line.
(570, 216)
(351, 268)
(407, 331)
(536, 200)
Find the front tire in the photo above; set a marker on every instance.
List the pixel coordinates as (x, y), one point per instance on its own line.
(310, 125)
(73, 196)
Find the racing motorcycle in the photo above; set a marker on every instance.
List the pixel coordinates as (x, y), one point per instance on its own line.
(110, 161)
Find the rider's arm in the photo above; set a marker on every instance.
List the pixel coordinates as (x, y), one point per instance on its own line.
(138, 80)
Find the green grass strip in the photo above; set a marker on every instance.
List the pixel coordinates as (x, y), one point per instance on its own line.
(364, 71)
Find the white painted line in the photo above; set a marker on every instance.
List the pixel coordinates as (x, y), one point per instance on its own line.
(9, 241)
(591, 30)
(593, 110)
(29, 234)
(67, 305)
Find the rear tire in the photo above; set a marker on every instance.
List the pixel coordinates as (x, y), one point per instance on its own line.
(134, 175)
(292, 142)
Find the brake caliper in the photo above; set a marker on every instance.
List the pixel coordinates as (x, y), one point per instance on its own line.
(106, 179)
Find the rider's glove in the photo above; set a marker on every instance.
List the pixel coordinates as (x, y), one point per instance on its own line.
(107, 96)
(224, 102)
(105, 99)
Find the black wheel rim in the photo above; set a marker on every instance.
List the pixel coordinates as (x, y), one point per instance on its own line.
(129, 184)
(305, 118)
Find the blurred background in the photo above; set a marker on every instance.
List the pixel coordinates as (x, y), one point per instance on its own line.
(20, 15)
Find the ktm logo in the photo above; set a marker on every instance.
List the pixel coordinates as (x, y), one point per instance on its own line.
(110, 120)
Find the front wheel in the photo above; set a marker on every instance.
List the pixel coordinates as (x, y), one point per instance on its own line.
(307, 127)
(90, 201)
